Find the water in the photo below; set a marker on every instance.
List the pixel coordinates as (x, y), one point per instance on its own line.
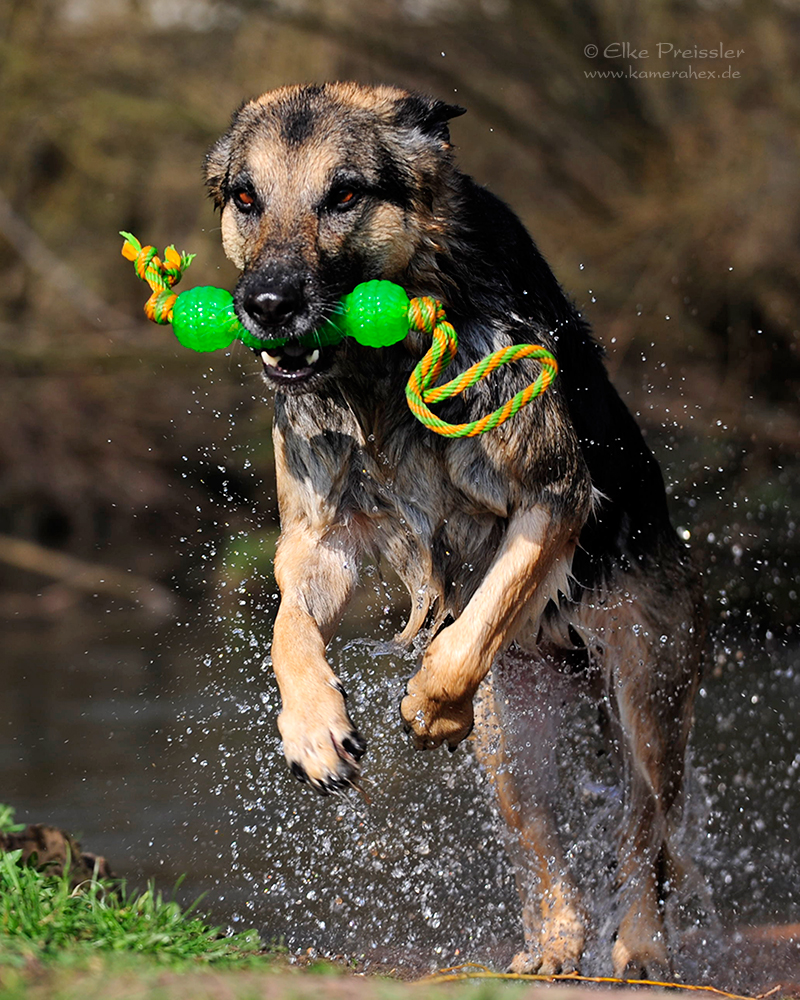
(167, 768)
(170, 763)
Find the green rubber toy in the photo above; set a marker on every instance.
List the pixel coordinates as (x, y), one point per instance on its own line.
(375, 314)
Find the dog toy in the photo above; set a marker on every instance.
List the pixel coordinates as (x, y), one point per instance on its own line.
(375, 314)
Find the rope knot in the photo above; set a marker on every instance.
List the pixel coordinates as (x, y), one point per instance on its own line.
(424, 313)
(146, 258)
(159, 274)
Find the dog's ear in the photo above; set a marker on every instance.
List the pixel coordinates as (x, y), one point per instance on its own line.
(427, 114)
(215, 168)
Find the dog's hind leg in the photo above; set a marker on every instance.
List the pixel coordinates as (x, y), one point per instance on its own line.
(651, 665)
(517, 725)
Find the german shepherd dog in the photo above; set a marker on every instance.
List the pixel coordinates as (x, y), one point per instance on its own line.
(541, 551)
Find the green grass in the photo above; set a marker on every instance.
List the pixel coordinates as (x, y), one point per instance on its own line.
(43, 917)
(7, 824)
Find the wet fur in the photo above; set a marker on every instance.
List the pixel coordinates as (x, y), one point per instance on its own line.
(543, 547)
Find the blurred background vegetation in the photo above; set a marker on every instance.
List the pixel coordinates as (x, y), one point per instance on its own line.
(669, 209)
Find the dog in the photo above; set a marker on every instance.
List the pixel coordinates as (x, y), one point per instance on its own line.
(539, 557)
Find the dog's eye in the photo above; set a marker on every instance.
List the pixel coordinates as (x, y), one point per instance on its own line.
(244, 200)
(343, 197)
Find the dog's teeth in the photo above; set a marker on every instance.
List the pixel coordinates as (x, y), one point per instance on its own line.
(270, 359)
(312, 357)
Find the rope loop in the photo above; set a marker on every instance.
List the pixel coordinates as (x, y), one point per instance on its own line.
(422, 391)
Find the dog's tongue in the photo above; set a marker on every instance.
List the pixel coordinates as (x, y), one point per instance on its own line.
(292, 349)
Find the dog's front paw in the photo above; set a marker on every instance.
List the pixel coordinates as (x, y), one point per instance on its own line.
(432, 718)
(324, 751)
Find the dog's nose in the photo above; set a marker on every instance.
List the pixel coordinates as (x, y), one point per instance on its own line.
(273, 303)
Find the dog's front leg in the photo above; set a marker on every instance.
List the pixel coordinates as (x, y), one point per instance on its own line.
(438, 705)
(316, 572)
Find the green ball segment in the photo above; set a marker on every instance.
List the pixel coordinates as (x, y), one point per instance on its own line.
(203, 319)
(375, 314)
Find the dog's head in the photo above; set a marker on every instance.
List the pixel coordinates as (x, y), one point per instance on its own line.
(320, 188)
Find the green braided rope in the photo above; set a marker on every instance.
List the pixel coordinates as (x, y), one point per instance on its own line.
(485, 368)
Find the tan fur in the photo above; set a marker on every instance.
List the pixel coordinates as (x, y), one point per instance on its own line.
(438, 706)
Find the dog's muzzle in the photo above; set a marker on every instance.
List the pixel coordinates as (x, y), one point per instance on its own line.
(275, 308)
